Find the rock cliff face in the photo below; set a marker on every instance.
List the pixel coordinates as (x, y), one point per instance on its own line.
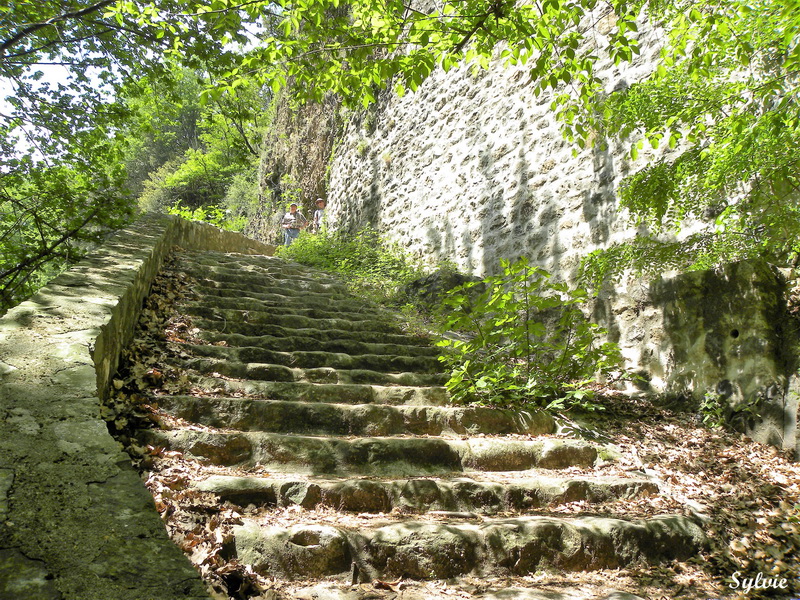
(473, 168)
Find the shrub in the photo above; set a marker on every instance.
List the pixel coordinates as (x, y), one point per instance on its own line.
(524, 342)
(214, 215)
(369, 263)
(242, 196)
(196, 179)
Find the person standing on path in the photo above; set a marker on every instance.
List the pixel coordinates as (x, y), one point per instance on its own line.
(319, 215)
(292, 222)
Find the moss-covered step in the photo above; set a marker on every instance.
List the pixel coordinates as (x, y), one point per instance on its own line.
(281, 272)
(277, 268)
(378, 456)
(352, 322)
(259, 309)
(238, 334)
(361, 419)
(424, 550)
(313, 359)
(270, 265)
(300, 342)
(270, 372)
(345, 304)
(483, 496)
(341, 393)
(296, 307)
(247, 288)
(260, 281)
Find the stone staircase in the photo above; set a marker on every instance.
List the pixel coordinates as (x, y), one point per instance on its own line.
(305, 398)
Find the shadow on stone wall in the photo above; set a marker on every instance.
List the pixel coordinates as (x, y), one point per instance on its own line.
(725, 333)
(690, 335)
(524, 222)
(732, 336)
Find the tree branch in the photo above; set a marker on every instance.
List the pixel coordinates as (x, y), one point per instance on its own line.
(468, 34)
(31, 29)
(58, 42)
(49, 250)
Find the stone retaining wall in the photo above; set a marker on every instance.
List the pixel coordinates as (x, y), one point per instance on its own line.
(722, 335)
(472, 168)
(76, 522)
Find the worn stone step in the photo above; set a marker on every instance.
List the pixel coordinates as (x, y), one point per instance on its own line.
(313, 359)
(272, 266)
(266, 264)
(291, 307)
(223, 331)
(523, 589)
(346, 305)
(300, 342)
(247, 289)
(294, 307)
(458, 494)
(280, 272)
(343, 393)
(381, 456)
(287, 285)
(424, 550)
(294, 320)
(315, 418)
(271, 372)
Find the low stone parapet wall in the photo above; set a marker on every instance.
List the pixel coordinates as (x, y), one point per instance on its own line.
(76, 522)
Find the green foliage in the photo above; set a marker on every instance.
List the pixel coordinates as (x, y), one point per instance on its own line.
(717, 412)
(198, 179)
(180, 149)
(651, 256)
(290, 190)
(214, 215)
(49, 216)
(164, 122)
(724, 103)
(369, 264)
(523, 341)
(795, 515)
(241, 200)
(712, 410)
(60, 138)
(355, 49)
(61, 134)
(59, 62)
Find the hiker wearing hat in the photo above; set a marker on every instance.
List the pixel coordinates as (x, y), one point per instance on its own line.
(293, 221)
(319, 214)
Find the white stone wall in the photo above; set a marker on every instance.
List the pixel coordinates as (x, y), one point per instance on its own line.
(472, 168)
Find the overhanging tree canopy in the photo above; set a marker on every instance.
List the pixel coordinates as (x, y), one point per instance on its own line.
(726, 87)
(725, 98)
(62, 65)
(58, 166)
(723, 95)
